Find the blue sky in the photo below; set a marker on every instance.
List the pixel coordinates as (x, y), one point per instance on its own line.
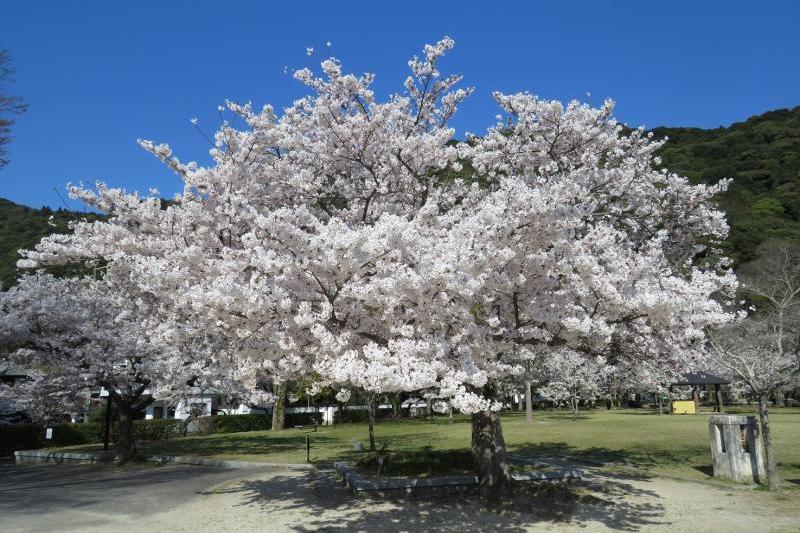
(99, 75)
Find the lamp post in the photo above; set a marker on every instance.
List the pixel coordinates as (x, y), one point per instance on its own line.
(104, 394)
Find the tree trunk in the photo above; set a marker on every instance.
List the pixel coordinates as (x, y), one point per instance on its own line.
(780, 399)
(430, 408)
(696, 398)
(660, 404)
(371, 416)
(279, 410)
(126, 448)
(450, 415)
(766, 438)
(520, 401)
(574, 406)
(669, 400)
(396, 405)
(528, 402)
(341, 415)
(720, 405)
(489, 452)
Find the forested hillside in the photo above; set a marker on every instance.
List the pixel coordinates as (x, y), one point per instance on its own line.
(762, 155)
(22, 227)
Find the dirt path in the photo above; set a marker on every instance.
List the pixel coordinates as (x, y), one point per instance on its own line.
(291, 501)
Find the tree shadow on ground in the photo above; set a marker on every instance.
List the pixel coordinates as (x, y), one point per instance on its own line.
(596, 456)
(641, 411)
(555, 415)
(617, 501)
(250, 445)
(705, 469)
(47, 488)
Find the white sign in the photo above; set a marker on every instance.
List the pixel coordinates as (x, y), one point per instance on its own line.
(48, 434)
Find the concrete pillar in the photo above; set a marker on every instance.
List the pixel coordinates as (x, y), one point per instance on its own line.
(737, 452)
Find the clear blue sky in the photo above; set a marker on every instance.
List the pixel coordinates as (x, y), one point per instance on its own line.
(99, 75)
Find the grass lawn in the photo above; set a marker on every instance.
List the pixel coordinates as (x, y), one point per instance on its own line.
(672, 444)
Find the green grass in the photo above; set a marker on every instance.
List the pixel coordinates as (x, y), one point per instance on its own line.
(671, 444)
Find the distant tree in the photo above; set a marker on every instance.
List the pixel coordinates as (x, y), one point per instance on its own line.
(571, 377)
(9, 105)
(762, 353)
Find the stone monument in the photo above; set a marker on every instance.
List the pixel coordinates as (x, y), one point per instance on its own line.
(736, 448)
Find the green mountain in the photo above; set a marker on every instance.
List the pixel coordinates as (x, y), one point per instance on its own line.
(761, 154)
(21, 227)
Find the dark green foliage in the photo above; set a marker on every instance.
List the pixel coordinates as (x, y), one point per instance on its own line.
(418, 463)
(300, 419)
(31, 437)
(159, 429)
(233, 423)
(20, 438)
(21, 227)
(762, 156)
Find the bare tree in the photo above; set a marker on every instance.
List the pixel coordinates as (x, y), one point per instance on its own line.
(9, 105)
(762, 352)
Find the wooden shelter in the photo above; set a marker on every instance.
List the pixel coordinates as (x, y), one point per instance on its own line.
(698, 379)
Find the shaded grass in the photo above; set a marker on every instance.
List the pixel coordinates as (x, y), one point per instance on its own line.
(640, 438)
(423, 463)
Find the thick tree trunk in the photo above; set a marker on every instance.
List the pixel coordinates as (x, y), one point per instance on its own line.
(574, 407)
(396, 405)
(720, 405)
(489, 452)
(430, 408)
(696, 398)
(279, 410)
(126, 448)
(450, 415)
(371, 416)
(766, 438)
(660, 404)
(528, 402)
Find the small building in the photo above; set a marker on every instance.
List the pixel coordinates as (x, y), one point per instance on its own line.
(203, 402)
(705, 379)
(11, 373)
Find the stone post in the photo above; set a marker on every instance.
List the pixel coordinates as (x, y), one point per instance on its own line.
(737, 452)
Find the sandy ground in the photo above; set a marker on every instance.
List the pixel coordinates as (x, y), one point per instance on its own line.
(282, 500)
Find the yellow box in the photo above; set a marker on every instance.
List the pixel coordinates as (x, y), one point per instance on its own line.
(683, 407)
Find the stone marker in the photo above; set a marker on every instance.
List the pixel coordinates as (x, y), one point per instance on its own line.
(736, 448)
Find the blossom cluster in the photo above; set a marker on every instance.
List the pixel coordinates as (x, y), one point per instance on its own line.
(355, 241)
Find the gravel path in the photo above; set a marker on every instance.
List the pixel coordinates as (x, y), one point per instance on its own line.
(195, 499)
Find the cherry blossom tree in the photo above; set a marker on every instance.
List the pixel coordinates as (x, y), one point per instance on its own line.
(570, 377)
(74, 336)
(762, 353)
(646, 377)
(344, 240)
